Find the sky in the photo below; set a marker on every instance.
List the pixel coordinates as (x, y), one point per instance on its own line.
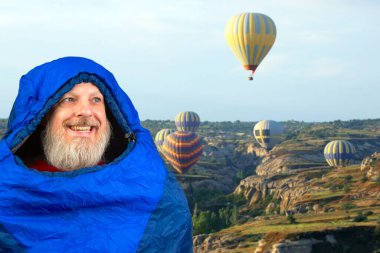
(171, 55)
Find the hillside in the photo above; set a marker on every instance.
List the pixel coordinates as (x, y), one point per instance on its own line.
(324, 204)
(288, 200)
(3, 126)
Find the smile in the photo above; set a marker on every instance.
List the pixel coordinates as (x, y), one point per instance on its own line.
(82, 129)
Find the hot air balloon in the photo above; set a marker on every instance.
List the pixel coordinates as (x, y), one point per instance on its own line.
(268, 133)
(160, 137)
(339, 153)
(182, 150)
(250, 36)
(187, 121)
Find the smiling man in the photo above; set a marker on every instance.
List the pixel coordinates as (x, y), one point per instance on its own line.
(79, 172)
(77, 131)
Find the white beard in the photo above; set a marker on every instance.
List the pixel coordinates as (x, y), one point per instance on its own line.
(74, 155)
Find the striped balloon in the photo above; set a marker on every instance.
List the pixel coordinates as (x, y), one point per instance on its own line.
(250, 36)
(187, 121)
(268, 133)
(160, 137)
(339, 153)
(182, 150)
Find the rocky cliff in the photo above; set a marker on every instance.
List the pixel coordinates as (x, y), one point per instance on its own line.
(357, 239)
(371, 165)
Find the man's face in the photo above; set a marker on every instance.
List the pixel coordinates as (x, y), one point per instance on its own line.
(80, 114)
(77, 131)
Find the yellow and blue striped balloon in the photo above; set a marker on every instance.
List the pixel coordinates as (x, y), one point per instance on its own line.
(250, 36)
(187, 121)
(160, 137)
(182, 150)
(339, 153)
(268, 133)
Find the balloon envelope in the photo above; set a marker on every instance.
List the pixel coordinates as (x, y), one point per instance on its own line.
(268, 133)
(339, 153)
(250, 36)
(160, 137)
(182, 150)
(187, 121)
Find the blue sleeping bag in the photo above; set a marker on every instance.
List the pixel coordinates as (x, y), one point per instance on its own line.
(130, 204)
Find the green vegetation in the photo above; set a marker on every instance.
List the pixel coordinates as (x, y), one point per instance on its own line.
(347, 188)
(332, 130)
(305, 223)
(294, 130)
(376, 232)
(360, 217)
(207, 221)
(241, 174)
(206, 198)
(213, 210)
(3, 126)
(291, 219)
(347, 206)
(206, 127)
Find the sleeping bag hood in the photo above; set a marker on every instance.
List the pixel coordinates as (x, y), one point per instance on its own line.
(129, 204)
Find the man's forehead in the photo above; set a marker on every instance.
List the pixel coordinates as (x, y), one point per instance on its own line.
(84, 88)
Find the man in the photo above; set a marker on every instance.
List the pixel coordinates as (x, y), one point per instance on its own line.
(80, 174)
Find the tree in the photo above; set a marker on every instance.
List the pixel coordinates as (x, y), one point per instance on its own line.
(360, 217)
(201, 223)
(224, 217)
(347, 187)
(291, 219)
(234, 215)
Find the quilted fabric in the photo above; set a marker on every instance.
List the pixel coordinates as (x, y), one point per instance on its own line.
(131, 204)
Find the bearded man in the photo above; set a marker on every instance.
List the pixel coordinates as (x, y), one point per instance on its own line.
(79, 172)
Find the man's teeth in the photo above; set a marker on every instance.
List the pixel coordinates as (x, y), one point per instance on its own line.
(81, 128)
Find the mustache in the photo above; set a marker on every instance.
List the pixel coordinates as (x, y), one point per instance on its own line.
(84, 122)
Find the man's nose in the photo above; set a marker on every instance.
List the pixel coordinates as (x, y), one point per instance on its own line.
(84, 109)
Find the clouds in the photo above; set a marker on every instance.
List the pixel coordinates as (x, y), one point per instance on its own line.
(328, 68)
(158, 48)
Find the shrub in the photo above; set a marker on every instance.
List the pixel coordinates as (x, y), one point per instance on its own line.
(347, 206)
(364, 179)
(254, 212)
(348, 178)
(360, 218)
(335, 187)
(208, 221)
(240, 175)
(376, 232)
(291, 219)
(347, 188)
(277, 210)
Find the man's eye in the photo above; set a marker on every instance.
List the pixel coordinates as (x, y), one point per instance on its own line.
(97, 100)
(67, 100)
